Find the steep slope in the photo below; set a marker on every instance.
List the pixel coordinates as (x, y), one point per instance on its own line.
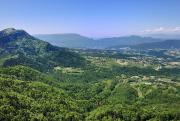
(18, 47)
(10, 35)
(78, 41)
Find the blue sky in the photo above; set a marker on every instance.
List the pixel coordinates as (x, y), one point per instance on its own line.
(95, 18)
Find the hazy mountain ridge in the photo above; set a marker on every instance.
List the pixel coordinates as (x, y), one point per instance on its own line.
(66, 40)
(165, 36)
(167, 44)
(78, 41)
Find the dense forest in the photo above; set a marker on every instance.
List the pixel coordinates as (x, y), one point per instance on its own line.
(27, 94)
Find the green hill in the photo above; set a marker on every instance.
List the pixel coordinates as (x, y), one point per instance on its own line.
(18, 47)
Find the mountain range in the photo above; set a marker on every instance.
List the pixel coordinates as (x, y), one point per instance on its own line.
(167, 44)
(16, 46)
(78, 41)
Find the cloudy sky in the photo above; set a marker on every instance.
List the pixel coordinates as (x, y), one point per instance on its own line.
(95, 18)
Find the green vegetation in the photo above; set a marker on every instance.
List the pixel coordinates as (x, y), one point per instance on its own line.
(40, 82)
(73, 94)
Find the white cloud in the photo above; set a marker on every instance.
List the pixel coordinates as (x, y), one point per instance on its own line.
(177, 29)
(161, 30)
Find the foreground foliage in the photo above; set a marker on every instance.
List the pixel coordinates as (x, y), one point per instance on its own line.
(27, 94)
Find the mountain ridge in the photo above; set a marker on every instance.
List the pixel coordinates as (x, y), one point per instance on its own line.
(84, 42)
(25, 49)
(167, 44)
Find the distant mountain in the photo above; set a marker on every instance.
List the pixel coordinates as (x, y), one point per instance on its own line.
(78, 41)
(165, 36)
(167, 44)
(67, 40)
(18, 47)
(128, 40)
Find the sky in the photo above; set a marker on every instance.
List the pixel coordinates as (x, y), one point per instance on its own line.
(93, 18)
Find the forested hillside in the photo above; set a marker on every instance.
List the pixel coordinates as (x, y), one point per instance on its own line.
(18, 47)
